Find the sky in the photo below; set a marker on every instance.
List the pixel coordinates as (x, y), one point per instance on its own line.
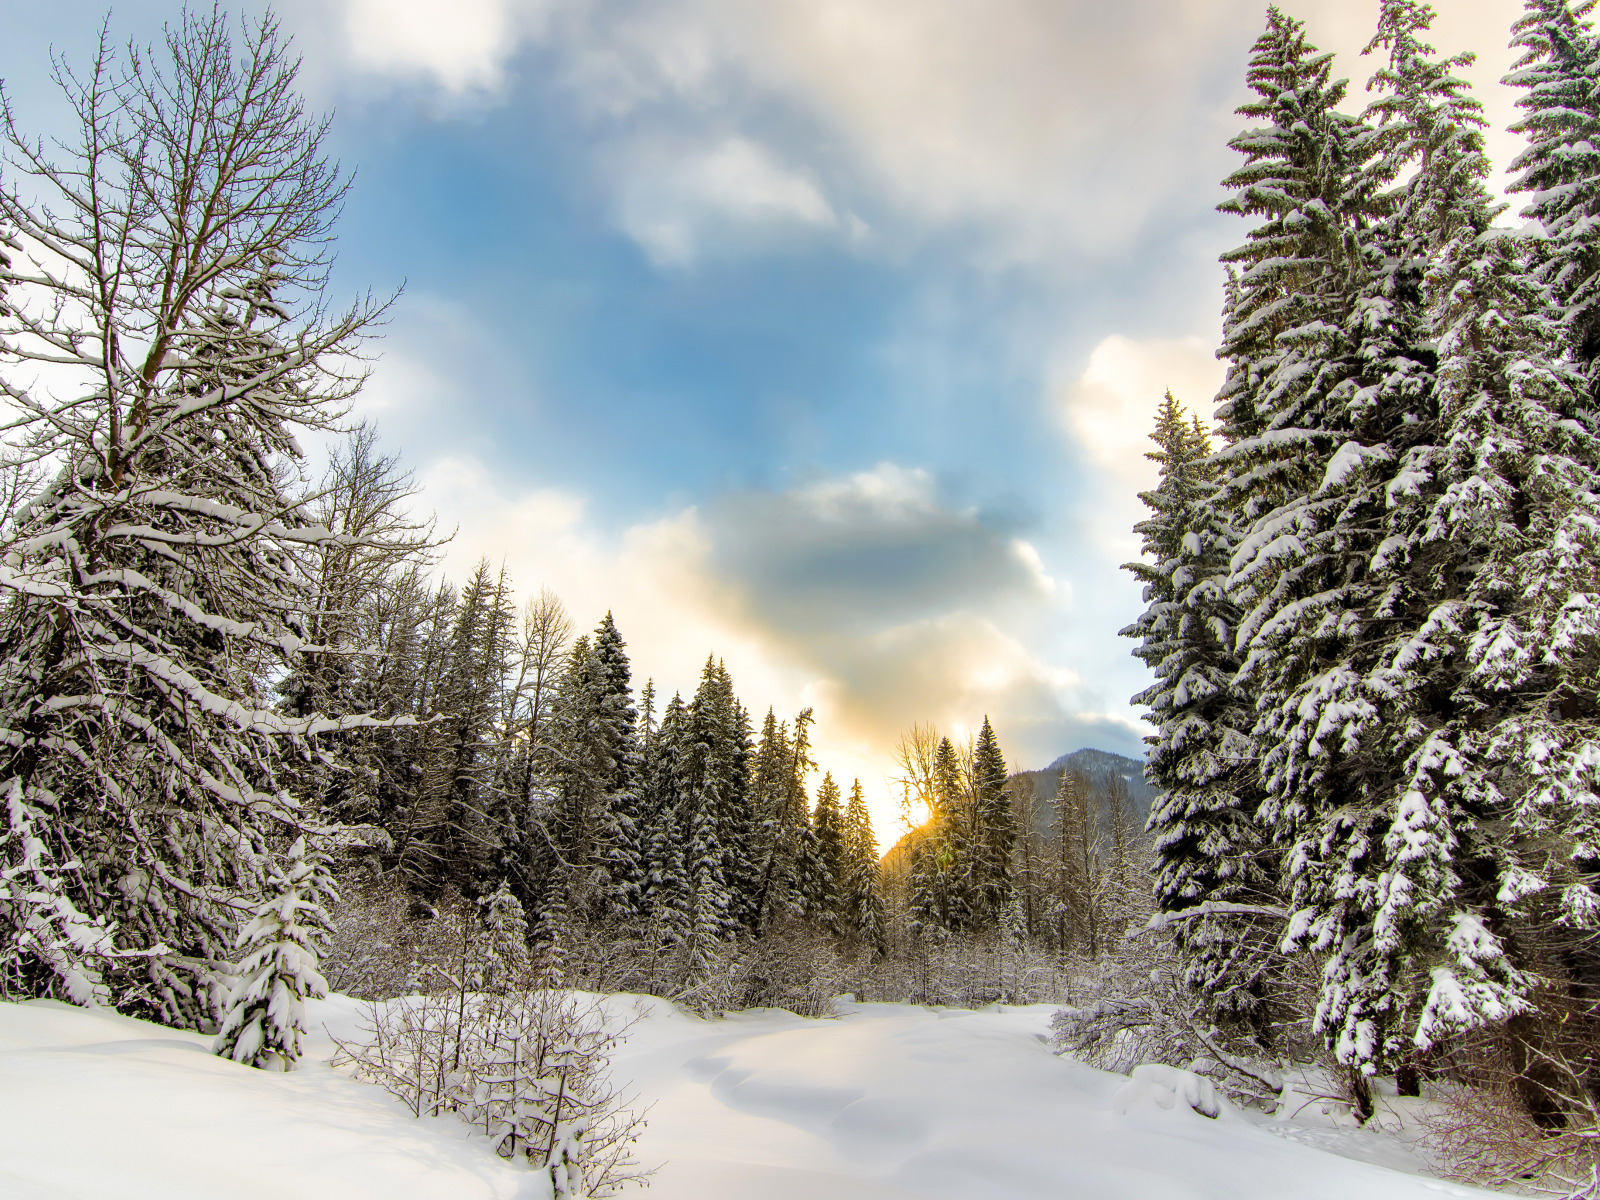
(822, 336)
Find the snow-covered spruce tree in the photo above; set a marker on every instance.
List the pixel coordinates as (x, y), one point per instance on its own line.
(1208, 847)
(1405, 765)
(863, 912)
(791, 862)
(265, 1017)
(666, 890)
(714, 780)
(158, 581)
(622, 824)
(829, 827)
(505, 950)
(1560, 68)
(595, 826)
(995, 829)
(1518, 515)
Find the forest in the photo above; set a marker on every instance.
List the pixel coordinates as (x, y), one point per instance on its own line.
(254, 746)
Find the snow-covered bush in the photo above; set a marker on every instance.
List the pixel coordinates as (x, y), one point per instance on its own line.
(1139, 1009)
(526, 1067)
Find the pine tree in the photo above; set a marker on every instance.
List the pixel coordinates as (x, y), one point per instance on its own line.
(828, 823)
(667, 890)
(1284, 338)
(1387, 765)
(505, 927)
(1201, 758)
(598, 822)
(864, 917)
(944, 889)
(1560, 68)
(715, 812)
(264, 1019)
(793, 862)
(995, 827)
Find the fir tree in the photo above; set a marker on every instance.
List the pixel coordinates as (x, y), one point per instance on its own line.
(829, 825)
(156, 584)
(599, 819)
(1560, 68)
(505, 928)
(793, 862)
(1200, 758)
(864, 917)
(264, 1020)
(1386, 764)
(995, 827)
(667, 889)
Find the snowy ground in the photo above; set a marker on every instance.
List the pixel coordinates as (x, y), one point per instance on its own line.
(889, 1102)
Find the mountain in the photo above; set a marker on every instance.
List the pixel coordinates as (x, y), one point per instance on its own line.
(1039, 787)
(1096, 765)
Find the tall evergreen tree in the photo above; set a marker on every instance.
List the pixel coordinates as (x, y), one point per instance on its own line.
(1560, 68)
(995, 827)
(155, 586)
(1201, 758)
(864, 917)
(599, 819)
(829, 827)
(793, 862)
(1389, 764)
(667, 888)
(716, 817)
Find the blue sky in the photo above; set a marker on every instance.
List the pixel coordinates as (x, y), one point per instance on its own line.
(822, 335)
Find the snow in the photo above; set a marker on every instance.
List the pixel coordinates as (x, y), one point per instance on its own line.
(887, 1102)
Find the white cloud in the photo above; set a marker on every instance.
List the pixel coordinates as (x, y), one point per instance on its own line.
(1052, 124)
(460, 44)
(1110, 407)
(670, 200)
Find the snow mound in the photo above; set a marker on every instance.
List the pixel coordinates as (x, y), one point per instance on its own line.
(1168, 1088)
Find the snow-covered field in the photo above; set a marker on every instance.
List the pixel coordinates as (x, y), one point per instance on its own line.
(888, 1102)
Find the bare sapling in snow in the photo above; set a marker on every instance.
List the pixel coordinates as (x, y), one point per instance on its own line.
(509, 1052)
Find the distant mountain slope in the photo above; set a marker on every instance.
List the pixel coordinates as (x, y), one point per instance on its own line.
(1096, 764)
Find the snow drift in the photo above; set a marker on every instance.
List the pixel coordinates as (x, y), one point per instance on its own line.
(888, 1102)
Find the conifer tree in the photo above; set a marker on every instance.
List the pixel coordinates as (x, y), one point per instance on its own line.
(793, 862)
(715, 815)
(829, 827)
(264, 1019)
(667, 889)
(1560, 68)
(1388, 766)
(597, 825)
(995, 827)
(1201, 757)
(864, 917)
(505, 927)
